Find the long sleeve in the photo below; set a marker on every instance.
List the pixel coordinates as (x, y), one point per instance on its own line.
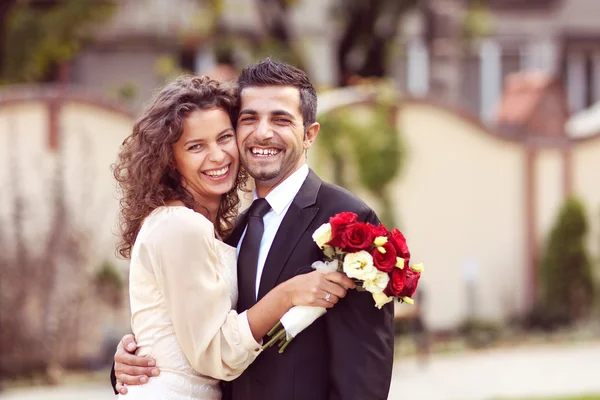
(216, 340)
(355, 323)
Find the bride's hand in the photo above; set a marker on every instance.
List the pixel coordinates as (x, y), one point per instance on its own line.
(317, 289)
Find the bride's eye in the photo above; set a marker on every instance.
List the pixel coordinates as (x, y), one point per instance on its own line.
(195, 147)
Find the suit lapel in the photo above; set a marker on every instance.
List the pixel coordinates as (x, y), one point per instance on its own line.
(295, 222)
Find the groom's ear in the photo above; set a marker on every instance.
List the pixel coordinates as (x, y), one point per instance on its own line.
(311, 134)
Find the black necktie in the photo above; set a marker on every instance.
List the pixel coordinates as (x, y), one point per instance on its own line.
(248, 257)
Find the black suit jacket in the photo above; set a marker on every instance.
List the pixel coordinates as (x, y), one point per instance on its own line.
(346, 354)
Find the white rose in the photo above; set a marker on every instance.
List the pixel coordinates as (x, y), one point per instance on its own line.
(377, 284)
(381, 299)
(322, 235)
(360, 266)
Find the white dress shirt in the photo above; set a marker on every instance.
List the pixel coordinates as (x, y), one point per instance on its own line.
(279, 199)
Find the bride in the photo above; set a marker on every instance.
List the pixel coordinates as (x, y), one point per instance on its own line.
(179, 172)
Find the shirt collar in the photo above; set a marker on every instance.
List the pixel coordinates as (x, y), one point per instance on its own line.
(283, 194)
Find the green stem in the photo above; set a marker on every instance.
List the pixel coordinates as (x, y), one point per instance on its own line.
(274, 340)
(285, 345)
(274, 329)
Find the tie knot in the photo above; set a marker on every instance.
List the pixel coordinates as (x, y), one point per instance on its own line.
(259, 208)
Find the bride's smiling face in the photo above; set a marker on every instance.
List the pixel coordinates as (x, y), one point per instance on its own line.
(206, 155)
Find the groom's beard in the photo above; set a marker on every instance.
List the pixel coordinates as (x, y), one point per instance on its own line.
(267, 168)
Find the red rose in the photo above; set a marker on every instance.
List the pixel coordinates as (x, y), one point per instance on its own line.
(397, 281)
(339, 223)
(384, 262)
(380, 230)
(399, 242)
(357, 236)
(411, 283)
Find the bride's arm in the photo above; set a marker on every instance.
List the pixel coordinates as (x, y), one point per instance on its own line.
(216, 340)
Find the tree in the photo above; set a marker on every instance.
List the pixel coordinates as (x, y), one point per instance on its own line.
(567, 286)
(365, 136)
(369, 30)
(38, 37)
(5, 9)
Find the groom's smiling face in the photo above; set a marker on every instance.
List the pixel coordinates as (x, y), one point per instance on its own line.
(271, 135)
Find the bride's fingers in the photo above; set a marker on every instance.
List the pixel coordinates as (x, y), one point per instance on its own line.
(340, 279)
(333, 288)
(330, 297)
(322, 303)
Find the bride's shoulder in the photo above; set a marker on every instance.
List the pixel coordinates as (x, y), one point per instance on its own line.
(176, 221)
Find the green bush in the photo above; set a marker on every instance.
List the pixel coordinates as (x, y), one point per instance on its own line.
(367, 136)
(567, 289)
(480, 333)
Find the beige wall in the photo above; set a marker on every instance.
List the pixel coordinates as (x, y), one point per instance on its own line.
(90, 137)
(24, 166)
(460, 202)
(586, 185)
(549, 191)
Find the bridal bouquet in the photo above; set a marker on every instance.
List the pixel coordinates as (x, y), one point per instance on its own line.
(376, 259)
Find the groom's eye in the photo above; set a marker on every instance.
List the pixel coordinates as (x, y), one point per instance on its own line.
(247, 119)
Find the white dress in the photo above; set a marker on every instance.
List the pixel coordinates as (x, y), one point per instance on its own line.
(183, 292)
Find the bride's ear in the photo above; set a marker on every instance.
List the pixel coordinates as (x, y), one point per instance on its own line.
(311, 134)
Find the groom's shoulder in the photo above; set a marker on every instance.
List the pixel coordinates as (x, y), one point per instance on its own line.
(337, 197)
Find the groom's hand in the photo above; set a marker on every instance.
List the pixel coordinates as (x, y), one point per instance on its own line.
(129, 368)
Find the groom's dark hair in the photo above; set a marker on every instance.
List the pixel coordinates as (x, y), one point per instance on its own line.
(274, 73)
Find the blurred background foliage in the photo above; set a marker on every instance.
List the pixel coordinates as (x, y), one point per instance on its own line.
(567, 279)
(40, 36)
(363, 141)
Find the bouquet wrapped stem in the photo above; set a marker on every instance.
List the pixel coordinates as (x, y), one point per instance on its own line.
(291, 324)
(278, 334)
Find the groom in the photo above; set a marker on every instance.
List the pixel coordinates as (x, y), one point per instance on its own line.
(346, 354)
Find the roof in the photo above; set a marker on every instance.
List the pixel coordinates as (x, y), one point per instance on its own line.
(522, 94)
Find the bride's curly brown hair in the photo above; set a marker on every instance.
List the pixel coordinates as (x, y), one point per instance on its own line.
(145, 165)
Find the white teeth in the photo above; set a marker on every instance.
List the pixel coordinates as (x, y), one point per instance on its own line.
(262, 152)
(218, 172)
